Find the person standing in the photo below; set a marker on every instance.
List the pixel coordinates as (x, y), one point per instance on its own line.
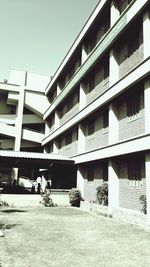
(38, 180)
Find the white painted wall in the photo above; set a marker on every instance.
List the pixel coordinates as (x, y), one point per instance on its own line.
(37, 102)
(29, 79)
(32, 136)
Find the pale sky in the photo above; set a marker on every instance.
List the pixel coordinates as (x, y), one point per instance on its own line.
(36, 34)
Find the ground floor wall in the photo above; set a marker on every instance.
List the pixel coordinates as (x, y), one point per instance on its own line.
(126, 183)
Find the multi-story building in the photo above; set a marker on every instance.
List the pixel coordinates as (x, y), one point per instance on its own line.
(96, 106)
(99, 113)
(22, 105)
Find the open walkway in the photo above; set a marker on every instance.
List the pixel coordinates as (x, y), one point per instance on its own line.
(69, 237)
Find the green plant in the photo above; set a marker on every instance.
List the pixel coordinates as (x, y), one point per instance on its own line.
(102, 194)
(47, 200)
(143, 200)
(75, 197)
(3, 203)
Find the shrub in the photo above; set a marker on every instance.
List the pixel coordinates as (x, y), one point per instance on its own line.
(47, 200)
(75, 197)
(102, 194)
(3, 203)
(143, 200)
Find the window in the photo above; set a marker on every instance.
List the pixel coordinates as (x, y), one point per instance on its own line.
(123, 4)
(70, 103)
(91, 127)
(136, 171)
(69, 138)
(51, 147)
(90, 173)
(60, 143)
(52, 95)
(91, 83)
(76, 134)
(134, 43)
(106, 72)
(105, 119)
(61, 111)
(133, 106)
(91, 44)
(50, 122)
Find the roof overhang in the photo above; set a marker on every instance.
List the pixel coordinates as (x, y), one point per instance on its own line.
(31, 159)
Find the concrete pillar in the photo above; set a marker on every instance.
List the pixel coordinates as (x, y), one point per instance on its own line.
(147, 165)
(56, 120)
(18, 125)
(82, 97)
(45, 149)
(55, 147)
(46, 128)
(58, 88)
(114, 13)
(113, 187)
(146, 34)
(113, 67)
(19, 119)
(83, 55)
(147, 105)
(81, 139)
(113, 124)
(80, 181)
(113, 63)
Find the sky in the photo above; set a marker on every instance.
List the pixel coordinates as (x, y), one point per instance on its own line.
(35, 35)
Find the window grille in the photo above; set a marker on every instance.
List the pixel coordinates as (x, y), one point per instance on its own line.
(91, 127)
(69, 138)
(136, 171)
(133, 107)
(105, 119)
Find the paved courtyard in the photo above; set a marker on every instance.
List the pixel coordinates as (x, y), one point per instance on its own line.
(69, 237)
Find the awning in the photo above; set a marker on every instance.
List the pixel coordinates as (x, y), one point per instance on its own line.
(23, 159)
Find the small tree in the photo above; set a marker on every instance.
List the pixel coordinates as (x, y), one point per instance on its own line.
(75, 197)
(102, 194)
(47, 200)
(3, 203)
(144, 203)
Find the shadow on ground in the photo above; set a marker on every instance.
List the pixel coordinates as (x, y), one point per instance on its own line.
(12, 210)
(7, 226)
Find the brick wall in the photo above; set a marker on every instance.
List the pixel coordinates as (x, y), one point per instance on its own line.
(100, 136)
(90, 186)
(98, 90)
(130, 49)
(131, 128)
(98, 30)
(129, 195)
(70, 149)
(68, 115)
(100, 80)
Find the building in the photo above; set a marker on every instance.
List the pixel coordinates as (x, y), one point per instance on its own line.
(99, 98)
(22, 105)
(96, 106)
